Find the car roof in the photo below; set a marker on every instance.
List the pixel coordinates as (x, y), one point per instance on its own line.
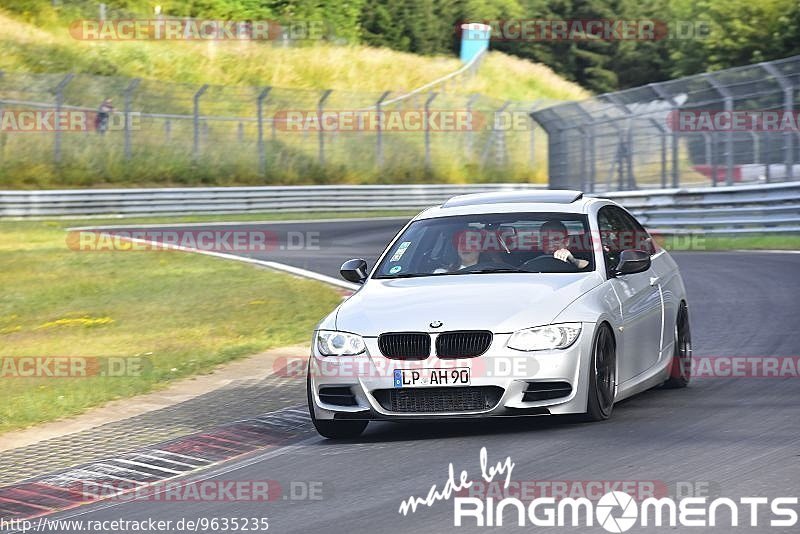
(524, 196)
(521, 200)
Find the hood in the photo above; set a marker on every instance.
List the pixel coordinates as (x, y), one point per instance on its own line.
(498, 302)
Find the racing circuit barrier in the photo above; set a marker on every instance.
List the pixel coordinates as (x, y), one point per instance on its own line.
(729, 210)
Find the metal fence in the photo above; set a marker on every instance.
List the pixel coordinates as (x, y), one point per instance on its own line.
(191, 134)
(709, 129)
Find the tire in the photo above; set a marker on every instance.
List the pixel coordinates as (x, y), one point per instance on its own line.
(333, 429)
(602, 375)
(681, 369)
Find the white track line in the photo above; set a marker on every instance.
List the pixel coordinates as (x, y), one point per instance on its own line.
(161, 459)
(147, 466)
(214, 471)
(304, 273)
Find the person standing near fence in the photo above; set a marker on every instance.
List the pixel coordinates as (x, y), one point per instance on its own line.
(103, 113)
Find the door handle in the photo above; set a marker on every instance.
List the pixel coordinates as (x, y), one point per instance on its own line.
(654, 280)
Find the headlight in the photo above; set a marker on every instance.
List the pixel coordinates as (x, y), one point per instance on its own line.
(331, 343)
(554, 336)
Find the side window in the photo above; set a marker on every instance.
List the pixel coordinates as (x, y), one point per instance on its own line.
(612, 230)
(620, 231)
(640, 239)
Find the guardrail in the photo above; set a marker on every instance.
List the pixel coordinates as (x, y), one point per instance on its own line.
(716, 210)
(730, 210)
(221, 200)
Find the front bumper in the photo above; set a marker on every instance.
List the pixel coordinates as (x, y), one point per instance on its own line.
(370, 373)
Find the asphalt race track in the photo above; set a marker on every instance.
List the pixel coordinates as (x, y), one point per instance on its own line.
(737, 437)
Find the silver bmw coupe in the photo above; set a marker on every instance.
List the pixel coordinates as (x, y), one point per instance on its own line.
(512, 303)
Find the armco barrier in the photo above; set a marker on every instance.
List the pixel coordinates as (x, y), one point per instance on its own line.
(736, 209)
(716, 210)
(214, 200)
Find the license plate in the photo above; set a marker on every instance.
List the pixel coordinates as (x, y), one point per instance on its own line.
(414, 378)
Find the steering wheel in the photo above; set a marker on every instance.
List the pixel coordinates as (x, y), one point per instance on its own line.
(548, 264)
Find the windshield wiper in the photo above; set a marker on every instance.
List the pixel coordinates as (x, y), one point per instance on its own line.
(404, 275)
(493, 270)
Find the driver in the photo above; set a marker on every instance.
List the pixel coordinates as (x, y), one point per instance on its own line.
(554, 238)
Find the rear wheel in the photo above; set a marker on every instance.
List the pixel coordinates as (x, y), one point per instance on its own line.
(681, 370)
(602, 375)
(331, 428)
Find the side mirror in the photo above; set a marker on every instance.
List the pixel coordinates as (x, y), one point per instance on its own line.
(632, 261)
(354, 271)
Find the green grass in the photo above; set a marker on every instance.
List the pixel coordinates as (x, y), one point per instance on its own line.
(699, 242)
(49, 49)
(182, 313)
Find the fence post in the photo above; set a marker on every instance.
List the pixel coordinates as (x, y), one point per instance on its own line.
(662, 93)
(321, 134)
(379, 130)
(711, 155)
(59, 103)
(428, 101)
(501, 150)
(589, 163)
(727, 97)
(532, 142)
(262, 158)
(128, 106)
(788, 105)
(627, 152)
(495, 135)
(2, 135)
(663, 137)
(471, 132)
(196, 145)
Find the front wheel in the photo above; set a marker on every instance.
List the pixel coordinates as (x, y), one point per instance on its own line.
(681, 369)
(333, 429)
(602, 375)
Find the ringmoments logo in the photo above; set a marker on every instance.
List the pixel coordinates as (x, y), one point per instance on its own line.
(615, 511)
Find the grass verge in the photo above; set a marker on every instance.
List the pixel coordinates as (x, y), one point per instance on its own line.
(698, 242)
(161, 151)
(177, 314)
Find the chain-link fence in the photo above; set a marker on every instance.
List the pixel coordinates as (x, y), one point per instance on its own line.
(155, 133)
(732, 126)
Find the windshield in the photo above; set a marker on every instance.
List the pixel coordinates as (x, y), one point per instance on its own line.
(491, 243)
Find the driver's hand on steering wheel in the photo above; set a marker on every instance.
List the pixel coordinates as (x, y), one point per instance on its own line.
(566, 256)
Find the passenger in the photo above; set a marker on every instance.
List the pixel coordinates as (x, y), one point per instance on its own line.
(468, 248)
